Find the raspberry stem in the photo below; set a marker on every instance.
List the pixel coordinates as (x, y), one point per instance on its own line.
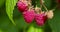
(42, 4)
(45, 7)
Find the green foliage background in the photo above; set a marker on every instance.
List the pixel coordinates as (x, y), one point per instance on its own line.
(11, 20)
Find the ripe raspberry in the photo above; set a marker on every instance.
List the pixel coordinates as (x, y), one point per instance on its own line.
(40, 19)
(22, 6)
(28, 16)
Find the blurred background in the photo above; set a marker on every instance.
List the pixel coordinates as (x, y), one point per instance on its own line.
(6, 25)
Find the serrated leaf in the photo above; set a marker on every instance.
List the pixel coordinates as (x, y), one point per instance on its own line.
(10, 4)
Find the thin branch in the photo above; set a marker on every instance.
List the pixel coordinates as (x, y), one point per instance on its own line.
(45, 7)
(42, 4)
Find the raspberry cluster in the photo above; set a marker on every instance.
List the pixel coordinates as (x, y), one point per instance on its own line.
(29, 13)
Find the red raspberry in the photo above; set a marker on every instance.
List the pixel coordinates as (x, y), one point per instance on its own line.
(40, 19)
(21, 6)
(29, 16)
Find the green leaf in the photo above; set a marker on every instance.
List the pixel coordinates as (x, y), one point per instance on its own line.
(0, 30)
(39, 29)
(10, 4)
(5, 23)
(47, 27)
(31, 29)
(48, 3)
(2, 3)
(35, 28)
(55, 22)
(19, 19)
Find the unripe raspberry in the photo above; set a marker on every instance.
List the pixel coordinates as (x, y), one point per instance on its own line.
(22, 6)
(28, 16)
(50, 14)
(40, 19)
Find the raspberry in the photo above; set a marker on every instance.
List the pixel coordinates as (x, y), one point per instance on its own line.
(28, 16)
(50, 14)
(40, 19)
(22, 6)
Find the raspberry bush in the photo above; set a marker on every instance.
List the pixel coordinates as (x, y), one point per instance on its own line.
(29, 15)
